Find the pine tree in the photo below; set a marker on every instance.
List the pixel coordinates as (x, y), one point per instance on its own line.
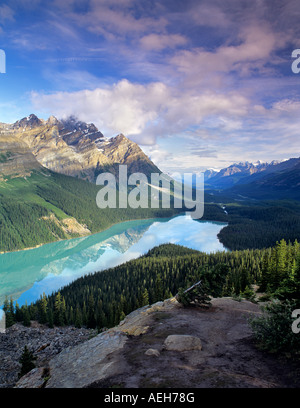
(122, 316)
(84, 314)
(282, 268)
(101, 319)
(71, 316)
(58, 310)
(18, 313)
(78, 318)
(50, 318)
(91, 320)
(27, 361)
(158, 289)
(145, 298)
(64, 311)
(8, 308)
(26, 315)
(265, 272)
(43, 307)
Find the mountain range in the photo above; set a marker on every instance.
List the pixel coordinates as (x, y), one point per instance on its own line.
(75, 148)
(275, 180)
(69, 147)
(48, 170)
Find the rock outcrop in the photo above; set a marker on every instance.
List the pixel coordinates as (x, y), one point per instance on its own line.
(97, 358)
(168, 346)
(15, 157)
(182, 342)
(43, 341)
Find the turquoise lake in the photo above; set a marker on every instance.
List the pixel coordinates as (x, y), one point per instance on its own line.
(26, 275)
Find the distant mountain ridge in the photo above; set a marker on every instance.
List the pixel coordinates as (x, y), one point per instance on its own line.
(236, 173)
(275, 180)
(69, 147)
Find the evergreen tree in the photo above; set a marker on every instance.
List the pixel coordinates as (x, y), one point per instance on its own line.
(158, 289)
(84, 314)
(145, 298)
(50, 319)
(26, 315)
(18, 313)
(27, 361)
(265, 272)
(91, 319)
(59, 310)
(71, 316)
(78, 318)
(100, 316)
(43, 309)
(8, 308)
(64, 311)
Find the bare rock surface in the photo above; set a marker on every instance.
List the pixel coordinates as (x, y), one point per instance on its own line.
(182, 342)
(43, 341)
(217, 351)
(75, 366)
(228, 358)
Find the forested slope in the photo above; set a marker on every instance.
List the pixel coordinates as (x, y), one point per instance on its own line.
(33, 210)
(103, 299)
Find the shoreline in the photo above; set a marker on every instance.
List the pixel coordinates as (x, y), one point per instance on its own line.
(94, 233)
(84, 236)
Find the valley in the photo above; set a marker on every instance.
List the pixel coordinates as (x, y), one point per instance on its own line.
(47, 180)
(27, 275)
(93, 266)
(150, 197)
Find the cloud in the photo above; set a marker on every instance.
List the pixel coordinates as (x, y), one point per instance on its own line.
(215, 75)
(6, 14)
(157, 154)
(113, 19)
(143, 111)
(158, 42)
(253, 52)
(123, 107)
(203, 152)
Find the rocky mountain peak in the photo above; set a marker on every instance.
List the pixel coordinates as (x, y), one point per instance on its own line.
(76, 148)
(73, 131)
(120, 136)
(73, 124)
(52, 121)
(29, 122)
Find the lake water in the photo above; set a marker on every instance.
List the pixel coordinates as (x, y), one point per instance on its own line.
(26, 275)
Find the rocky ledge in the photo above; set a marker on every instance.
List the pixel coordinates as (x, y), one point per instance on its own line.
(163, 345)
(43, 341)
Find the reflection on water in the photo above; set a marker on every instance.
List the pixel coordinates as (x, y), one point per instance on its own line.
(25, 275)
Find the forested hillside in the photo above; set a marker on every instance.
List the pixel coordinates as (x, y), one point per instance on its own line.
(104, 298)
(260, 224)
(33, 210)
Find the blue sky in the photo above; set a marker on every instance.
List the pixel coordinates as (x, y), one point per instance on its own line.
(197, 83)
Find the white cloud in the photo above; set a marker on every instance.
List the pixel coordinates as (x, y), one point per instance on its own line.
(158, 42)
(157, 154)
(143, 111)
(123, 107)
(209, 74)
(253, 52)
